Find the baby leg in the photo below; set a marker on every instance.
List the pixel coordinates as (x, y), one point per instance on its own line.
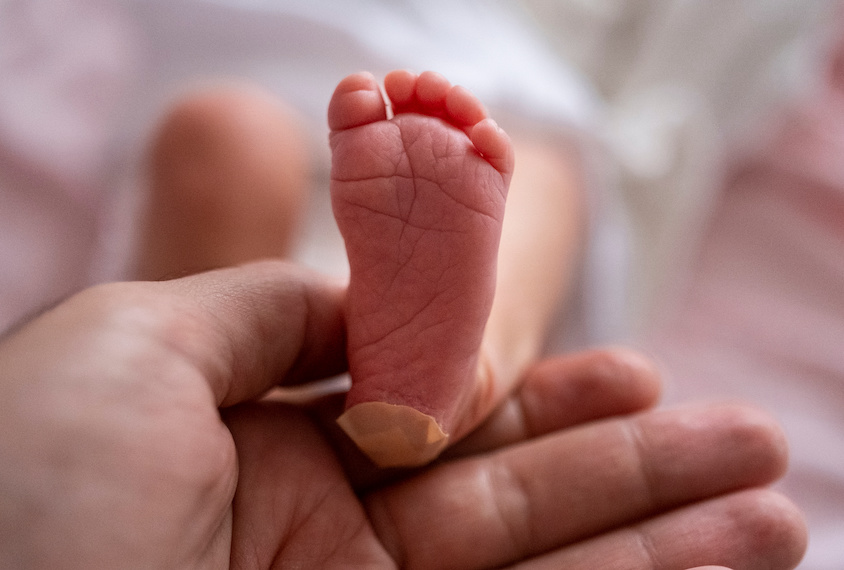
(228, 177)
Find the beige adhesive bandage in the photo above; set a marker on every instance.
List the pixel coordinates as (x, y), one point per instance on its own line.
(392, 435)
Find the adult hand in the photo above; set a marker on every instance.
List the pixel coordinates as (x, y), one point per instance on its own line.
(115, 454)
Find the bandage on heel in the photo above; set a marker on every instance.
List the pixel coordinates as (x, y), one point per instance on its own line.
(393, 435)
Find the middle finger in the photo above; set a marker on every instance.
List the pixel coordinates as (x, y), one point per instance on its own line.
(494, 509)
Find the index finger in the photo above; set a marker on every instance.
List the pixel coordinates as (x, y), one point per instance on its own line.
(241, 330)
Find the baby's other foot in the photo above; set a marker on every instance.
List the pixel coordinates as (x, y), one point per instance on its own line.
(419, 200)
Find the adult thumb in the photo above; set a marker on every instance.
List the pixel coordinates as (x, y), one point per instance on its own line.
(260, 325)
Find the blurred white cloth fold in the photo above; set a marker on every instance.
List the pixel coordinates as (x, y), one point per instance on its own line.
(727, 122)
(83, 82)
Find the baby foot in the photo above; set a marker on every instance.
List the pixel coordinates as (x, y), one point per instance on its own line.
(419, 200)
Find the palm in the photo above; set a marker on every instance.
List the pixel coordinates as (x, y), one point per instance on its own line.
(294, 505)
(124, 461)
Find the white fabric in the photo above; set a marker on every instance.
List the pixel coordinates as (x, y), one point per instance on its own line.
(730, 143)
(683, 82)
(83, 82)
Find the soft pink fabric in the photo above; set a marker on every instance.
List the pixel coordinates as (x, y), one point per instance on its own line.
(64, 66)
(762, 318)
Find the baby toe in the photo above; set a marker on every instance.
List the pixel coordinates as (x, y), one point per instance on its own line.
(495, 146)
(463, 107)
(356, 101)
(431, 90)
(400, 86)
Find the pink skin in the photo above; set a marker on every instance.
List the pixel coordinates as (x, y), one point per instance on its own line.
(419, 200)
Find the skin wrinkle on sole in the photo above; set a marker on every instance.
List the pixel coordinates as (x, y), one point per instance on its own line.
(393, 435)
(394, 431)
